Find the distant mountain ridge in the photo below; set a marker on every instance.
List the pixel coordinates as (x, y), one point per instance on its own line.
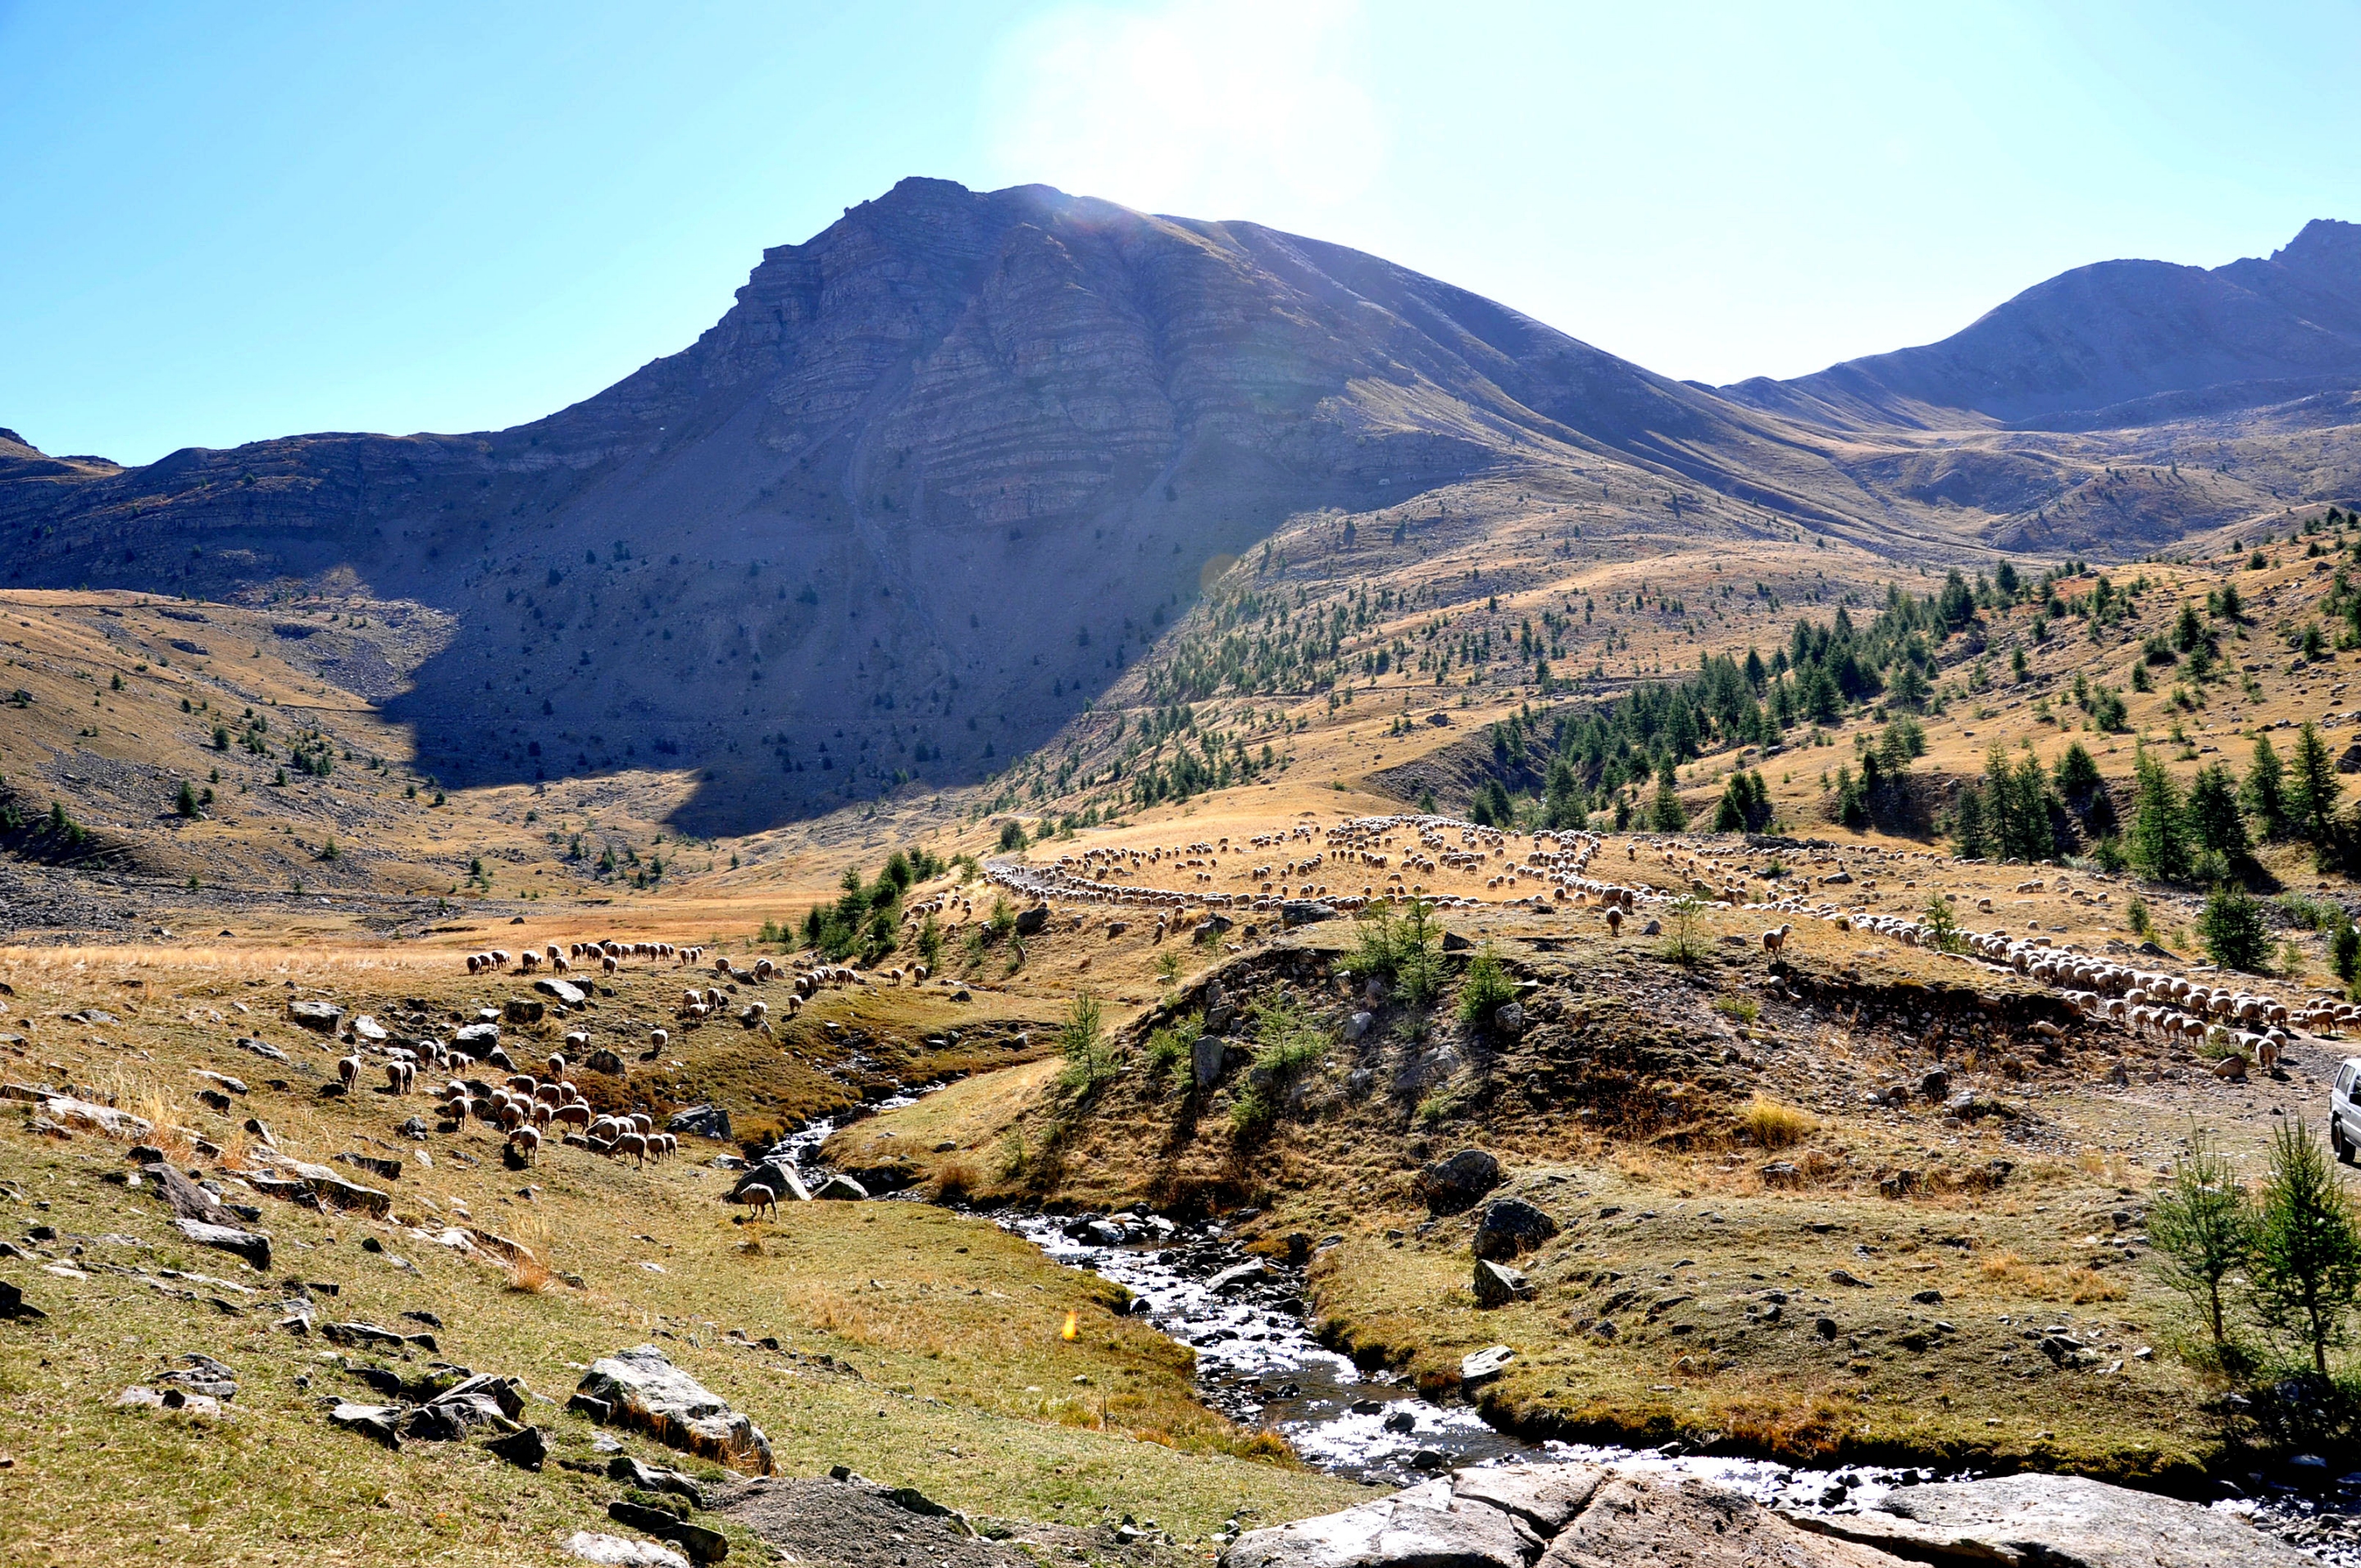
(2114, 336)
(944, 471)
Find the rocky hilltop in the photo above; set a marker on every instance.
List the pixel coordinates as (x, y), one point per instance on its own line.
(934, 480)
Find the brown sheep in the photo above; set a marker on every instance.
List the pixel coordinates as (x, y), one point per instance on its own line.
(1776, 938)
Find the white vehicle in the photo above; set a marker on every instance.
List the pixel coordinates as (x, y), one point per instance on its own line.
(2344, 1110)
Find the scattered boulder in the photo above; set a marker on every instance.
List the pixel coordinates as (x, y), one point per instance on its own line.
(65, 1111)
(370, 1031)
(647, 1478)
(526, 1450)
(700, 1120)
(1510, 1226)
(561, 990)
(641, 1388)
(380, 1423)
(1032, 921)
(1490, 1361)
(523, 1010)
(1453, 942)
(375, 1165)
(1304, 912)
(252, 1245)
(614, 1551)
(182, 1196)
(1455, 1184)
(702, 1544)
(605, 1061)
(1253, 1271)
(1358, 1025)
(1205, 1058)
(2036, 1522)
(1425, 1527)
(476, 1040)
(1497, 1285)
(13, 1304)
(321, 1017)
(841, 1189)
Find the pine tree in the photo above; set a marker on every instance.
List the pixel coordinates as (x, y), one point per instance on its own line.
(2265, 790)
(2159, 847)
(2306, 1267)
(2312, 787)
(1667, 815)
(2214, 819)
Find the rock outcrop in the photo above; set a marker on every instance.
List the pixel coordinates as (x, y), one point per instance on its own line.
(2052, 1522)
(641, 1388)
(1580, 1516)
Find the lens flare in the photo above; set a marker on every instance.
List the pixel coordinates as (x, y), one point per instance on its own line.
(1073, 1326)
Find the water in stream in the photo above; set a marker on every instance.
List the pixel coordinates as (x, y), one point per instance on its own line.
(1258, 1363)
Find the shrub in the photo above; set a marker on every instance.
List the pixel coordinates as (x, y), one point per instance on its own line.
(1171, 1052)
(1090, 1059)
(2233, 931)
(1681, 945)
(1775, 1126)
(1486, 987)
(1741, 1009)
(2202, 1228)
(1012, 835)
(2306, 1263)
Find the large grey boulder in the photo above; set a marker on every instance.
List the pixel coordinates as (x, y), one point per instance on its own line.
(182, 1196)
(641, 1388)
(1456, 1183)
(1510, 1226)
(1031, 922)
(2053, 1521)
(476, 1040)
(564, 991)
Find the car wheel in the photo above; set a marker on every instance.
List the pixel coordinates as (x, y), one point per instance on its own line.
(2342, 1150)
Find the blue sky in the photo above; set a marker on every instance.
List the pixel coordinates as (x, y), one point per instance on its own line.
(224, 222)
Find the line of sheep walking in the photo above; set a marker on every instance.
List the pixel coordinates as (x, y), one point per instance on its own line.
(605, 956)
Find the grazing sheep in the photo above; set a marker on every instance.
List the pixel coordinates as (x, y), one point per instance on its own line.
(1614, 921)
(556, 1065)
(526, 1142)
(1772, 941)
(632, 1144)
(642, 1122)
(759, 1198)
(348, 1071)
(528, 961)
(397, 1076)
(659, 1039)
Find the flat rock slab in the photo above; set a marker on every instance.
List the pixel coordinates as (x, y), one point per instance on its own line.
(564, 991)
(2053, 1521)
(1552, 1516)
(82, 1113)
(1424, 1526)
(1637, 1518)
(252, 1245)
(641, 1388)
(184, 1197)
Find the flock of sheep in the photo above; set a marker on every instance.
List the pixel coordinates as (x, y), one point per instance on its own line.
(2254, 1028)
(608, 956)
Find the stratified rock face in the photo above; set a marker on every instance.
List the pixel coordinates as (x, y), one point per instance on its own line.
(2139, 340)
(930, 485)
(641, 1388)
(2054, 1522)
